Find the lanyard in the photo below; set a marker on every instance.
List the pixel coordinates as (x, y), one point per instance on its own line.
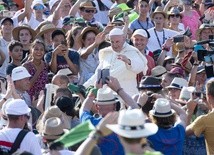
(159, 39)
(147, 23)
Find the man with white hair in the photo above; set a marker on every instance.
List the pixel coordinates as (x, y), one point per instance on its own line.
(123, 60)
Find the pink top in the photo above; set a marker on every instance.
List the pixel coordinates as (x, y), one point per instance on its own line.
(192, 22)
(40, 82)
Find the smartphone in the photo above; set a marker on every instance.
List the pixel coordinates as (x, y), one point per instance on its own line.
(99, 75)
(105, 73)
(179, 38)
(198, 94)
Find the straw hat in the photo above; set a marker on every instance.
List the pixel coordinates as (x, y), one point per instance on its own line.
(53, 111)
(132, 124)
(150, 82)
(174, 11)
(185, 94)
(85, 30)
(160, 11)
(53, 128)
(46, 28)
(88, 5)
(203, 27)
(114, 11)
(178, 83)
(16, 31)
(158, 71)
(105, 96)
(162, 108)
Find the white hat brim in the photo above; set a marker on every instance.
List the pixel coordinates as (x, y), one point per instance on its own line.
(149, 129)
(152, 112)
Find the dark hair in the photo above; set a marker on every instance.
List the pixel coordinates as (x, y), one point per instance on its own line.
(164, 122)
(57, 32)
(147, 1)
(132, 140)
(66, 105)
(210, 87)
(13, 117)
(65, 91)
(13, 44)
(70, 34)
(85, 34)
(38, 41)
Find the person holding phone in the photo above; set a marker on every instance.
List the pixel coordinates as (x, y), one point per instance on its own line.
(61, 57)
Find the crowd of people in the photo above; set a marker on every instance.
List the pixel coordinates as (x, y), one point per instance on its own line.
(140, 71)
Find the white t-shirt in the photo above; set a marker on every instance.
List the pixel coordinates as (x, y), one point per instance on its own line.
(33, 23)
(102, 16)
(29, 143)
(154, 44)
(4, 49)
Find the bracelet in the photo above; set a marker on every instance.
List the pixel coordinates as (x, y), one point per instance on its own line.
(118, 90)
(4, 99)
(195, 64)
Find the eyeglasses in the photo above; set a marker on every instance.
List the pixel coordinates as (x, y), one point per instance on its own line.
(177, 16)
(38, 7)
(89, 11)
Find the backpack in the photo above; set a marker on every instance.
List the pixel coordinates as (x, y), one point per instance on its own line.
(15, 145)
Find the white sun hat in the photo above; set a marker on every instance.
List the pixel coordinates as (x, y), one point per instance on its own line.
(105, 96)
(162, 108)
(131, 124)
(19, 73)
(178, 83)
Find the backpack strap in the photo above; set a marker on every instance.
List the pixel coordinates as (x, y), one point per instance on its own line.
(18, 141)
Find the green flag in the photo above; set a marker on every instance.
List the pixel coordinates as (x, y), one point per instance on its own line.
(77, 134)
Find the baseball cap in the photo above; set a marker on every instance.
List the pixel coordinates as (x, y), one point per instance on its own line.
(141, 32)
(17, 107)
(20, 73)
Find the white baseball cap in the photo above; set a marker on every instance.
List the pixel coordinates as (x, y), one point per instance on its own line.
(19, 73)
(141, 32)
(17, 107)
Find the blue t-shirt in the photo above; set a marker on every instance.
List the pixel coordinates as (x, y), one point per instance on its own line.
(136, 24)
(61, 62)
(169, 141)
(109, 145)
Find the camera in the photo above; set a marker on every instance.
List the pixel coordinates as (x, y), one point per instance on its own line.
(203, 54)
(179, 38)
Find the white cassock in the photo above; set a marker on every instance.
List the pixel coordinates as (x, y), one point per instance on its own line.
(126, 74)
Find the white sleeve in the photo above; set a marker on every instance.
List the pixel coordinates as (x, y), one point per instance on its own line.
(138, 62)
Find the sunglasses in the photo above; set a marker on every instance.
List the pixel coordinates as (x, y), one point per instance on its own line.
(38, 7)
(177, 16)
(89, 11)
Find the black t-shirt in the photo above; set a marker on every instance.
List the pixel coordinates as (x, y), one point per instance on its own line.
(10, 67)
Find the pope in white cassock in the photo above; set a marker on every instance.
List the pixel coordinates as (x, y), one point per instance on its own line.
(123, 60)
